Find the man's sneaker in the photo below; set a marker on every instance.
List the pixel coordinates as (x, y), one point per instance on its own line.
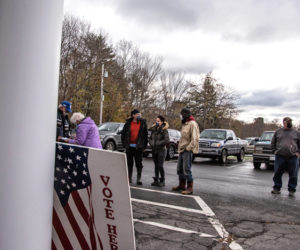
(275, 191)
(292, 193)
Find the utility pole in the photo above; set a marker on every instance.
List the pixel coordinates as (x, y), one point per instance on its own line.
(103, 74)
(101, 94)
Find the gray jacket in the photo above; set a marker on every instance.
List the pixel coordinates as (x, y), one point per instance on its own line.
(286, 142)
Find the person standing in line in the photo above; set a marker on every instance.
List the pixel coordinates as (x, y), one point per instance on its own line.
(63, 128)
(286, 146)
(87, 133)
(159, 138)
(188, 144)
(134, 139)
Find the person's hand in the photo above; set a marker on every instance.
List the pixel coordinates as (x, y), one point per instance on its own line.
(59, 138)
(297, 154)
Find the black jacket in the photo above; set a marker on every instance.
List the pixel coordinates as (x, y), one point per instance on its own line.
(142, 136)
(286, 142)
(62, 125)
(159, 137)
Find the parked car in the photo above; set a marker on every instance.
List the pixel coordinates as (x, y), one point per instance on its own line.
(172, 147)
(262, 151)
(220, 143)
(251, 141)
(110, 135)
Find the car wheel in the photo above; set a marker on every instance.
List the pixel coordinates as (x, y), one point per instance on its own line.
(223, 157)
(241, 156)
(171, 152)
(256, 165)
(110, 145)
(269, 166)
(193, 158)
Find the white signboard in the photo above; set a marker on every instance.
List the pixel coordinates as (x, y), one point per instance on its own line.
(96, 215)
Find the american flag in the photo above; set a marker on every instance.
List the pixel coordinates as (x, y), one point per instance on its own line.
(73, 216)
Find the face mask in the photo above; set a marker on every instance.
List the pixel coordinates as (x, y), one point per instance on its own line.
(181, 117)
(289, 124)
(157, 124)
(138, 117)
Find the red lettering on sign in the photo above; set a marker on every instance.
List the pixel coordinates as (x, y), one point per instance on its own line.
(105, 179)
(113, 247)
(108, 202)
(107, 192)
(109, 214)
(112, 229)
(113, 239)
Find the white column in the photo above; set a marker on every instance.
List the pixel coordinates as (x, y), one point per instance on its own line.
(30, 34)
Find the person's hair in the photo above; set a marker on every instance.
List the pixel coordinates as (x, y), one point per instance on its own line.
(287, 119)
(76, 117)
(161, 118)
(133, 112)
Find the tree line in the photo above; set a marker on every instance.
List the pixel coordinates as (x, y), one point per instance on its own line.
(137, 79)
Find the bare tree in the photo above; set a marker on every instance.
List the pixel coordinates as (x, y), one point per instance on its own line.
(72, 47)
(172, 88)
(141, 71)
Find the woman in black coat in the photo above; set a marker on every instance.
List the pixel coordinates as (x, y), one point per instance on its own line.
(159, 138)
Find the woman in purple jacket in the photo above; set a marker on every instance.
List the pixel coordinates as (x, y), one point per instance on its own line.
(87, 133)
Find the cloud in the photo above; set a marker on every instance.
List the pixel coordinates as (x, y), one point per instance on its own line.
(265, 98)
(270, 104)
(249, 20)
(272, 98)
(192, 67)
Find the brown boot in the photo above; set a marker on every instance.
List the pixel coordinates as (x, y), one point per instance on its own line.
(181, 185)
(189, 189)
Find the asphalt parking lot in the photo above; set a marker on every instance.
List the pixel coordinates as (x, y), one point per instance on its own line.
(231, 208)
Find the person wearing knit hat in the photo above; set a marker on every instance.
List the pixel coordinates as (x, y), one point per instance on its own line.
(134, 138)
(188, 144)
(286, 147)
(63, 128)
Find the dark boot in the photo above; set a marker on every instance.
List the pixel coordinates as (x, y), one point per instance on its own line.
(155, 182)
(181, 185)
(138, 180)
(161, 182)
(189, 189)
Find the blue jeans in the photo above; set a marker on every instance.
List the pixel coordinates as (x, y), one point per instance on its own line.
(289, 164)
(184, 166)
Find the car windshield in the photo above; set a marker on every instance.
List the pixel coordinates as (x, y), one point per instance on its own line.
(109, 127)
(249, 140)
(267, 136)
(213, 134)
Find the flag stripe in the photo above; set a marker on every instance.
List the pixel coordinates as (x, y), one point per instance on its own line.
(89, 190)
(91, 222)
(53, 247)
(66, 224)
(61, 232)
(80, 206)
(76, 228)
(56, 240)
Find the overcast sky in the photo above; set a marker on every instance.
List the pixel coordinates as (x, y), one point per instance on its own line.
(252, 46)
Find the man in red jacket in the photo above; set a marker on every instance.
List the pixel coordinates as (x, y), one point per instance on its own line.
(134, 140)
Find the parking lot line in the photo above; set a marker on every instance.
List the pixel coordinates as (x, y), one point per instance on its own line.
(170, 206)
(224, 234)
(234, 166)
(177, 229)
(162, 192)
(206, 210)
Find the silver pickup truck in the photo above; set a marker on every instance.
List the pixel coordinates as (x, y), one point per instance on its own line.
(220, 143)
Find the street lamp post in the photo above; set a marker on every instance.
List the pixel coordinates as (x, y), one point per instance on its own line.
(103, 74)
